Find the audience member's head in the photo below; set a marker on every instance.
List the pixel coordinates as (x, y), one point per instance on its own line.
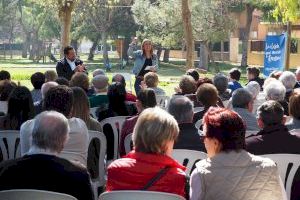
(62, 81)
(268, 81)
(252, 73)
(119, 78)
(193, 73)
(275, 74)
(204, 80)
(97, 72)
(207, 94)
(81, 106)
(20, 107)
(297, 73)
(100, 83)
(6, 87)
(254, 88)
(221, 83)
(294, 104)
(145, 99)
(4, 75)
(275, 90)
(37, 80)
(80, 79)
(224, 131)
(270, 113)
(46, 86)
(187, 85)
(60, 99)
(242, 98)
(50, 75)
(235, 74)
(182, 109)
(155, 132)
(116, 97)
(50, 132)
(70, 53)
(288, 79)
(151, 80)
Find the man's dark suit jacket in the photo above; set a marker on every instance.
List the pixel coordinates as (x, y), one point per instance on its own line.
(63, 68)
(46, 172)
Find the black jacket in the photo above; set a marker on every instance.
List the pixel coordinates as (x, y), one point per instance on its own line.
(189, 138)
(46, 172)
(63, 68)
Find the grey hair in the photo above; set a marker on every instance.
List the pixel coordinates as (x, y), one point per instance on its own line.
(221, 82)
(297, 71)
(100, 82)
(241, 98)
(288, 79)
(181, 108)
(271, 113)
(254, 88)
(98, 72)
(275, 91)
(47, 86)
(50, 131)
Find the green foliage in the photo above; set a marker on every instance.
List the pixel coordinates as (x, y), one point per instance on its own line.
(287, 10)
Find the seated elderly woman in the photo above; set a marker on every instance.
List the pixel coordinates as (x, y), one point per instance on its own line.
(188, 87)
(221, 83)
(294, 110)
(258, 98)
(275, 90)
(151, 81)
(230, 172)
(153, 139)
(289, 81)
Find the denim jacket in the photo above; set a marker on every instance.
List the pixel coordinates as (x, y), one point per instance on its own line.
(139, 60)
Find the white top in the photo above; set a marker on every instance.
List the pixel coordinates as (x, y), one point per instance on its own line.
(71, 63)
(77, 143)
(3, 107)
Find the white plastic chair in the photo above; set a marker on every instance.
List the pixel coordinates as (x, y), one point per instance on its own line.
(283, 161)
(127, 77)
(127, 143)
(73, 156)
(188, 157)
(138, 195)
(249, 133)
(198, 123)
(198, 109)
(116, 123)
(93, 112)
(12, 139)
(162, 101)
(100, 180)
(29, 194)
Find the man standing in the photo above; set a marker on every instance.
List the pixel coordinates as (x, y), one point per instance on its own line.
(69, 65)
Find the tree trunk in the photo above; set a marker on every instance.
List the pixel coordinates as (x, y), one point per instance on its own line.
(211, 57)
(166, 55)
(222, 51)
(104, 45)
(26, 45)
(93, 48)
(74, 44)
(245, 39)
(65, 15)
(158, 53)
(188, 33)
(203, 60)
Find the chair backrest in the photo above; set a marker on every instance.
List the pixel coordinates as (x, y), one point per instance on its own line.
(249, 133)
(198, 109)
(100, 180)
(10, 144)
(162, 101)
(116, 124)
(188, 158)
(93, 112)
(138, 195)
(73, 156)
(127, 143)
(33, 195)
(198, 123)
(288, 165)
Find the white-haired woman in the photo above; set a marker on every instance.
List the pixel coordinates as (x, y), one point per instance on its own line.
(289, 81)
(144, 61)
(254, 88)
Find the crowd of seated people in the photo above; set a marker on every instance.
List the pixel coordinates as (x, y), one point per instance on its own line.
(268, 109)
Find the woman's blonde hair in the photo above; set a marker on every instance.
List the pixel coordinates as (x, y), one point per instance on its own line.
(154, 128)
(81, 106)
(143, 44)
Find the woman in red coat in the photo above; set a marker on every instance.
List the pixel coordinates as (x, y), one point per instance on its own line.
(153, 138)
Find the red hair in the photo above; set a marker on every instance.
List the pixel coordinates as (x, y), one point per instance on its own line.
(227, 127)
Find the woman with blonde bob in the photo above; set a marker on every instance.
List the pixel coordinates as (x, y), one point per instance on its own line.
(144, 61)
(150, 166)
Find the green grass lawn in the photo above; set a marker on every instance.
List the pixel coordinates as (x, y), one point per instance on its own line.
(169, 73)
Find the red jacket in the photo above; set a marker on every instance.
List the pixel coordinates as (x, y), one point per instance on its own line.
(130, 97)
(136, 169)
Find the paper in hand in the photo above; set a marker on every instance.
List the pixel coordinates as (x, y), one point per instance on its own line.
(150, 68)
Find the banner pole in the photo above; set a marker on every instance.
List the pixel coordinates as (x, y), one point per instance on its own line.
(288, 45)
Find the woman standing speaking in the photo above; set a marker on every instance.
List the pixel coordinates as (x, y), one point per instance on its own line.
(144, 61)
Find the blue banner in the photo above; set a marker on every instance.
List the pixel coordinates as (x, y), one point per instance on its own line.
(274, 53)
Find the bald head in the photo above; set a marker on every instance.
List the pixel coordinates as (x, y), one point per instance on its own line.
(181, 108)
(50, 131)
(47, 86)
